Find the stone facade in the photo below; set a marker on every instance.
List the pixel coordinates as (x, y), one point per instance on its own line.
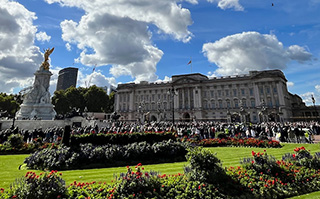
(256, 97)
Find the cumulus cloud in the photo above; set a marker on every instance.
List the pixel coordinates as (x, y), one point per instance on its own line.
(228, 4)
(166, 79)
(19, 58)
(306, 97)
(317, 88)
(68, 47)
(241, 53)
(95, 78)
(42, 36)
(290, 84)
(116, 32)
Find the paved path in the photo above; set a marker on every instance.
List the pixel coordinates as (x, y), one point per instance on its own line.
(316, 139)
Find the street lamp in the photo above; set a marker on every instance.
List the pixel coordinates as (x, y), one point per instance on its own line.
(14, 113)
(140, 110)
(172, 93)
(314, 105)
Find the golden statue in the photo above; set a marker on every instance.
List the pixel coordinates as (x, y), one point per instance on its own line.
(45, 64)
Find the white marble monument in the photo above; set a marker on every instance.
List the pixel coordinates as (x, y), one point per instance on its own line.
(37, 102)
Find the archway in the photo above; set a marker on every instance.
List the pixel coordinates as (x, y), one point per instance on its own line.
(186, 117)
(153, 118)
(235, 117)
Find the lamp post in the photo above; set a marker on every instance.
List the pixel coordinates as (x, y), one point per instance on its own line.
(140, 111)
(315, 108)
(159, 110)
(172, 93)
(264, 111)
(14, 113)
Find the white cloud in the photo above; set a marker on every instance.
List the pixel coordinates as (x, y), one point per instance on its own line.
(166, 79)
(19, 58)
(228, 4)
(306, 97)
(241, 53)
(116, 32)
(317, 88)
(95, 78)
(42, 36)
(290, 84)
(68, 47)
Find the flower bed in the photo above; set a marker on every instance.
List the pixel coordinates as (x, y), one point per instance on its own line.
(260, 176)
(237, 142)
(92, 156)
(121, 138)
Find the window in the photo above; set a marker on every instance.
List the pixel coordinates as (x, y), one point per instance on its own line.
(205, 104)
(261, 90)
(244, 103)
(228, 104)
(212, 104)
(251, 91)
(227, 92)
(234, 92)
(212, 94)
(219, 93)
(269, 102)
(275, 90)
(236, 104)
(242, 92)
(268, 90)
(220, 104)
(253, 103)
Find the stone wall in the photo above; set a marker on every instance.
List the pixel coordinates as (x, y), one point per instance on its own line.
(36, 124)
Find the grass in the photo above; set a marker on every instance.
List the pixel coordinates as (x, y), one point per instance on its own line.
(230, 156)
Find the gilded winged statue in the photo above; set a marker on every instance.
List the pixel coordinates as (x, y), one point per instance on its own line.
(45, 64)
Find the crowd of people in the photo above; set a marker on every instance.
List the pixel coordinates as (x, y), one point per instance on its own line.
(284, 132)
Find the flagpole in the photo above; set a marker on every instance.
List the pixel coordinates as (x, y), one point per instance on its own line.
(191, 63)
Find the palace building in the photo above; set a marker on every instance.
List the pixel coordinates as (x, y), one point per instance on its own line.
(259, 96)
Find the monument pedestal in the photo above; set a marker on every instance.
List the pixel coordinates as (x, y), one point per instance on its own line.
(37, 102)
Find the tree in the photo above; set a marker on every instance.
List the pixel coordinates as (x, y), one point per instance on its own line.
(97, 99)
(110, 108)
(75, 98)
(9, 104)
(60, 101)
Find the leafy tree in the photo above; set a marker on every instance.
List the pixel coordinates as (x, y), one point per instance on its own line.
(8, 103)
(97, 99)
(75, 98)
(60, 101)
(111, 103)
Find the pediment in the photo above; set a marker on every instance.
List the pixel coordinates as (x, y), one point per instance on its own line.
(185, 80)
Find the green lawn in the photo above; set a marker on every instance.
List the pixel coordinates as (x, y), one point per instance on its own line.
(230, 156)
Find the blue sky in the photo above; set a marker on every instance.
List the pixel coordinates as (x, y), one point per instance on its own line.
(135, 40)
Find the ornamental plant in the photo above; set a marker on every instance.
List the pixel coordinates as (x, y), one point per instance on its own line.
(138, 183)
(43, 186)
(302, 157)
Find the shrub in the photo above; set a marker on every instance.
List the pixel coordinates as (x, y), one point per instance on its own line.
(302, 157)
(89, 156)
(15, 140)
(43, 186)
(203, 165)
(120, 138)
